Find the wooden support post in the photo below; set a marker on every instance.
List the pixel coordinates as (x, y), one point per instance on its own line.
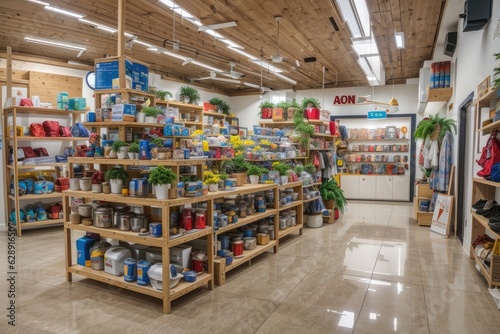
(121, 42)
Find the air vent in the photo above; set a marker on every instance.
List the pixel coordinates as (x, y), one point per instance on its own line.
(309, 60)
(334, 24)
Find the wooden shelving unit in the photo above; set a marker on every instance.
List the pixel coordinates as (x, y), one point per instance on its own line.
(12, 117)
(439, 94)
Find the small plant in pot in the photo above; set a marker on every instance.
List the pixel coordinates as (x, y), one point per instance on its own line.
(220, 105)
(133, 150)
(97, 180)
(333, 196)
(223, 177)
(238, 168)
(283, 169)
(292, 107)
(121, 149)
(254, 172)
(280, 111)
(212, 180)
(311, 169)
(157, 144)
(434, 127)
(151, 113)
(116, 177)
(303, 128)
(189, 95)
(311, 105)
(163, 94)
(162, 178)
(266, 110)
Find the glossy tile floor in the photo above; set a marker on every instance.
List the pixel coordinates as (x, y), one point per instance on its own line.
(374, 271)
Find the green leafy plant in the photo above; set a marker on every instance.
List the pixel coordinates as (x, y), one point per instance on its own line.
(330, 191)
(158, 142)
(294, 104)
(426, 127)
(190, 94)
(298, 169)
(161, 175)
(496, 73)
(224, 176)
(256, 170)
(134, 147)
(426, 172)
(281, 167)
(306, 130)
(152, 111)
(238, 164)
(310, 168)
(220, 104)
(266, 104)
(117, 145)
(189, 178)
(310, 102)
(116, 174)
(283, 105)
(162, 94)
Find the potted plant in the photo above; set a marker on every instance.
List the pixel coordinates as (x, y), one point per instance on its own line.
(266, 109)
(116, 177)
(140, 117)
(496, 74)
(162, 178)
(162, 94)
(151, 113)
(238, 167)
(223, 177)
(434, 127)
(157, 144)
(282, 168)
(292, 107)
(212, 180)
(254, 172)
(220, 105)
(97, 180)
(333, 196)
(311, 105)
(298, 169)
(304, 129)
(311, 169)
(189, 95)
(121, 149)
(133, 150)
(280, 111)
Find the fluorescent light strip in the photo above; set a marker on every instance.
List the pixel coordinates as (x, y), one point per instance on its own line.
(293, 82)
(63, 11)
(400, 40)
(206, 66)
(142, 43)
(53, 43)
(40, 2)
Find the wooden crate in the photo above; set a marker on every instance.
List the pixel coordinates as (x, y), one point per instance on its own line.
(424, 218)
(330, 219)
(423, 190)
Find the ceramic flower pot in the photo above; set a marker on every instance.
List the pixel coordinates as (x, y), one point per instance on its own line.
(284, 179)
(150, 120)
(116, 186)
(161, 191)
(254, 179)
(213, 187)
(141, 117)
(122, 153)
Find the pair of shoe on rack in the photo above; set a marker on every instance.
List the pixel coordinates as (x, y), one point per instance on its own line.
(487, 208)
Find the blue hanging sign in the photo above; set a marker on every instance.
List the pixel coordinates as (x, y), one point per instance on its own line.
(377, 114)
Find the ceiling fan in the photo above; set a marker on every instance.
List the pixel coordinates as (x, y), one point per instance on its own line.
(232, 73)
(213, 76)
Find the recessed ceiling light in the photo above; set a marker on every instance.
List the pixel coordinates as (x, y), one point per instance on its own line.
(400, 40)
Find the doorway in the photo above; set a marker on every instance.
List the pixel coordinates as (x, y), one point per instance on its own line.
(465, 135)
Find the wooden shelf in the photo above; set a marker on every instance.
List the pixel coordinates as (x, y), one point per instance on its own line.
(289, 230)
(290, 206)
(486, 271)
(321, 149)
(34, 197)
(490, 127)
(275, 159)
(385, 139)
(247, 220)
(114, 233)
(53, 164)
(100, 275)
(42, 223)
(290, 123)
(191, 123)
(126, 91)
(312, 185)
(43, 111)
(486, 182)
(324, 136)
(189, 237)
(485, 100)
(310, 199)
(135, 162)
(215, 114)
(149, 201)
(439, 94)
(375, 162)
(178, 104)
(290, 185)
(185, 287)
(484, 221)
(29, 138)
(250, 254)
(122, 123)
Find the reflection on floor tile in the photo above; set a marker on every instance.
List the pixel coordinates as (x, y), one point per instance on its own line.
(373, 271)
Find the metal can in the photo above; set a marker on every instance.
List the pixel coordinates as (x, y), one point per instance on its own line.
(138, 187)
(155, 229)
(142, 272)
(130, 270)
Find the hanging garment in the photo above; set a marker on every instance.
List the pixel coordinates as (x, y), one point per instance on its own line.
(445, 161)
(427, 153)
(434, 154)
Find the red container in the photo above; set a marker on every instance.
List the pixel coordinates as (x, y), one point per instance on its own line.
(312, 113)
(197, 265)
(266, 113)
(333, 128)
(200, 221)
(238, 247)
(187, 222)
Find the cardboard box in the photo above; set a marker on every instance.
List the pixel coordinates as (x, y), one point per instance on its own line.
(424, 218)
(123, 112)
(423, 190)
(106, 71)
(83, 246)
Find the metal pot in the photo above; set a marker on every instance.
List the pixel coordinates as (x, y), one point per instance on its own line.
(137, 222)
(125, 221)
(103, 217)
(249, 243)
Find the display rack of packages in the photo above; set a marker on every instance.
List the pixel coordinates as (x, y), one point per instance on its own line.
(267, 212)
(213, 122)
(39, 160)
(377, 162)
(484, 190)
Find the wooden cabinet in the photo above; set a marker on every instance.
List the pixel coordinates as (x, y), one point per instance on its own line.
(15, 167)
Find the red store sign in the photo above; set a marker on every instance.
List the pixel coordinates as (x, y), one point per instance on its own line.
(345, 99)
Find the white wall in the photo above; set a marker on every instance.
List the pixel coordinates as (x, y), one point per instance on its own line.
(475, 61)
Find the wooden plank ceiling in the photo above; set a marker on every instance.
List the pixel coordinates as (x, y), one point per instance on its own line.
(305, 31)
